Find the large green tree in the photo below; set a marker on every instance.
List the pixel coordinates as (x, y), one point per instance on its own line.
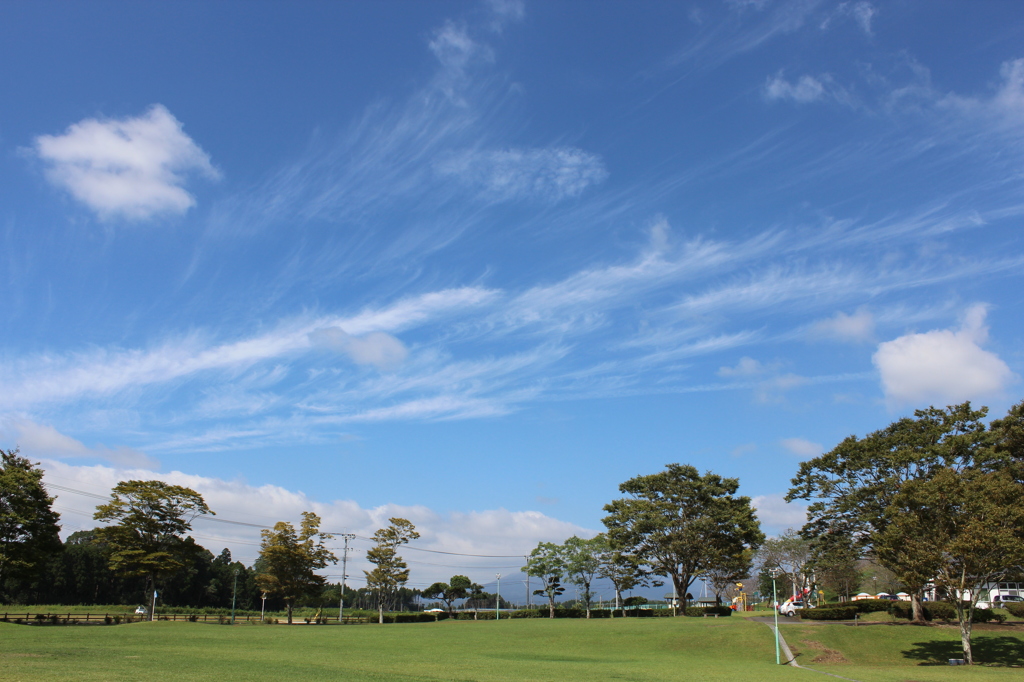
(852, 487)
(547, 562)
(390, 572)
(965, 530)
(149, 519)
(28, 526)
(582, 560)
(288, 560)
(681, 523)
(457, 588)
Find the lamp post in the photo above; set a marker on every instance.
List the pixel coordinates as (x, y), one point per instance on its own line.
(775, 604)
(497, 602)
(263, 609)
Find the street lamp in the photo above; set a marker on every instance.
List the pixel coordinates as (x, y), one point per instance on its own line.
(774, 572)
(497, 602)
(263, 609)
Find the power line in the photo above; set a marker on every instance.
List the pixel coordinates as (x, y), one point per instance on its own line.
(205, 517)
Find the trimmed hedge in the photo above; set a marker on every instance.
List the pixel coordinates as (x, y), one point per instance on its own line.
(866, 605)
(1016, 609)
(942, 610)
(701, 611)
(841, 613)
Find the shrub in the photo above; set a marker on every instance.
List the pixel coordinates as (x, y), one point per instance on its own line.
(941, 610)
(840, 613)
(1016, 609)
(866, 605)
(701, 611)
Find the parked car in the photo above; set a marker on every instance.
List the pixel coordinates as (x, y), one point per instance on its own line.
(790, 607)
(999, 601)
(142, 611)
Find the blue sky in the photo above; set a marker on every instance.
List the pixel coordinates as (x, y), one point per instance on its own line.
(476, 264)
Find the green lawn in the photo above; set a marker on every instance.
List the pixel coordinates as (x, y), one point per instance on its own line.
(563, 650)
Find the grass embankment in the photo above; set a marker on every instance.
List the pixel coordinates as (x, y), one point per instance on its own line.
(528, 649)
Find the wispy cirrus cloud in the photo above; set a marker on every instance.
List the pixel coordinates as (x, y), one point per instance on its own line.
(42, 440)
(543, 174)
(133, 168)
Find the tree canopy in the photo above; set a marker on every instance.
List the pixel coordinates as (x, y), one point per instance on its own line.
(682, 524)
(547, 562)
(29, 530)
(288, 561)
(390, 571)
(149, 519)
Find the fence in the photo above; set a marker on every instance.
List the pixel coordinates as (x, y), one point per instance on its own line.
(75, 618)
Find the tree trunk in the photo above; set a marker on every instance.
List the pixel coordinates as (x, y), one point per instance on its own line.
(618, 600)
(380, 612)
(551, 606)
(916, 607)
(288, 605)
(965, 639)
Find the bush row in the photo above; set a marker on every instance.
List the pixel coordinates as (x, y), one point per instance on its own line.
(1016, 609)
(943, 611)
(700, 611)
(839, 613)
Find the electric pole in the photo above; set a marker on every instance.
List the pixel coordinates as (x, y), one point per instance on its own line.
(497, 602)
(344, 574)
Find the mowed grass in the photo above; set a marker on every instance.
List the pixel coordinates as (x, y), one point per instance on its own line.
(563, 650)
(898, 652)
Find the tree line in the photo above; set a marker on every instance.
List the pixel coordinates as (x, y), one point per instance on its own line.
(935, 499)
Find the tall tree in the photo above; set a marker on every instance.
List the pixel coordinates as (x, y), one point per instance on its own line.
(150, 518)
(288, 560)
(791, 554)
(624, 572)
(966, 529)
(390, 572)
(547, 562)
(29, 530)
(682, 524)
(582, 559)
(853, 485)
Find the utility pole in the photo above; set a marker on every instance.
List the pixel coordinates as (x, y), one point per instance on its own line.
(344, 570)
(497, 602)
(527, 559)
(234, 588)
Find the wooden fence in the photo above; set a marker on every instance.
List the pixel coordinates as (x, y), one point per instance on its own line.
(75, 618)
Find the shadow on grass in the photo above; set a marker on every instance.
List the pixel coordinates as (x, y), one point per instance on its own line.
(991, 650)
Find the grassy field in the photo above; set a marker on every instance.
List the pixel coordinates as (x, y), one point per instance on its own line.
(539, 649)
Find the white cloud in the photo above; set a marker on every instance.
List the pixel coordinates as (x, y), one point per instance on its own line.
(549, 174)
(942, 365)
(379, 349)
(49, 378)
(777, 515)
(862, 13)
(41, 440)
(805, 89)
(746, 367)
(858, 327)
(802, 447)
(488, 532)
(133, 168)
